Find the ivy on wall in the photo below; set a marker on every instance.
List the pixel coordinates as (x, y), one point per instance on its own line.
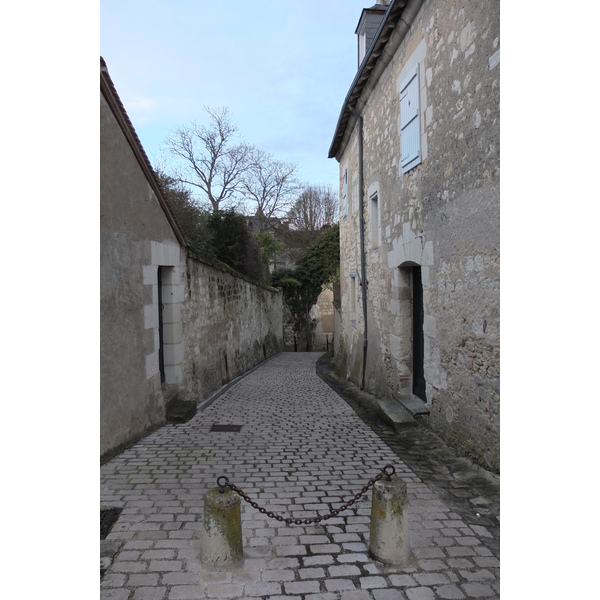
(317, 266)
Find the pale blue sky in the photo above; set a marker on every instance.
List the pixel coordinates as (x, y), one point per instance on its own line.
(283, 69)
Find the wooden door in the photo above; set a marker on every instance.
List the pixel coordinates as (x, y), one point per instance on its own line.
(417, 334)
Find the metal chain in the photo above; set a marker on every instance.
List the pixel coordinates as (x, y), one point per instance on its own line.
(388, 471)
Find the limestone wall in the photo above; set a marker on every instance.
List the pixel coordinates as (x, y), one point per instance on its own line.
(135, 241)
(321, 315)
(320, 321)
(167, 322)
(442, 216)
(229, 326)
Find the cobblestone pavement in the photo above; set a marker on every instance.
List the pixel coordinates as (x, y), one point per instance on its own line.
(302, 450)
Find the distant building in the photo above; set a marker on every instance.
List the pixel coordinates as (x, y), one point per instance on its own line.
(417, 141)
(321, 314)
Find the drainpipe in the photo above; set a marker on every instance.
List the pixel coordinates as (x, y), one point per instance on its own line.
(363, 275)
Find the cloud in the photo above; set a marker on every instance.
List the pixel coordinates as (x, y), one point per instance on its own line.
(282, 68)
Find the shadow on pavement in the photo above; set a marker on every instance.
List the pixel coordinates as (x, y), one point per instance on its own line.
(469, 490)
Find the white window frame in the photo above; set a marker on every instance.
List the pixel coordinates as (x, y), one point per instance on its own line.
(362, 47)
(374, 219)
(345, 192)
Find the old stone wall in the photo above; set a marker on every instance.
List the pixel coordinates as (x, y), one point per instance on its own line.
(320, 321)
(441, 216)
(136, 240)
(167, 323)
(321, 315)
(229, 326)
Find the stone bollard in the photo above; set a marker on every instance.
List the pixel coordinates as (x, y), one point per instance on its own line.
(389, 538)
(222, 531)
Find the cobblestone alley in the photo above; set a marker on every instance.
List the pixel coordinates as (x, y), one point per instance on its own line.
(302, 449)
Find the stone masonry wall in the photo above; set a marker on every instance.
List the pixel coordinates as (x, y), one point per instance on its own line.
(215, 326)
(229, 326)
(442, 216)
(136, 240)
(321, 316)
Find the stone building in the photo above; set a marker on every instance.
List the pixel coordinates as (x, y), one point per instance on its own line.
(170, 326)
(417, 141)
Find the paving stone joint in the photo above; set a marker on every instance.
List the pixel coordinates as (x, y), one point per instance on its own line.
(305, 446)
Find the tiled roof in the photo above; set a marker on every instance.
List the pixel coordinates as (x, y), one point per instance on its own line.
(107, 87)
(388, 23)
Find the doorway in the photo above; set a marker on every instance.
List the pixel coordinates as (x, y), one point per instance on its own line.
(417, 333)
(411, 298)
(161, 346)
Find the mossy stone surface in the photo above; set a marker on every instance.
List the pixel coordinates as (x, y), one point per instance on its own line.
(222, 539)
(389, 536)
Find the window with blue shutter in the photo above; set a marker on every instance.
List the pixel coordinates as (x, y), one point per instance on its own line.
(410, 134)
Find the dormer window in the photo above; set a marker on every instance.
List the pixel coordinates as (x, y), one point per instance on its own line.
(370, 19)
(362, 46)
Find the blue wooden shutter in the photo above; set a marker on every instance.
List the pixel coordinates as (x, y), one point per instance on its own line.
(410, 134)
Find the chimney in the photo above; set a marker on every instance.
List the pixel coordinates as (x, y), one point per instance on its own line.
(369, 22)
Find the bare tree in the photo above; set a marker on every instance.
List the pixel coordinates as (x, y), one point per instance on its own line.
(271, 185)
(191, 217)
(316, 206)
(210, 159)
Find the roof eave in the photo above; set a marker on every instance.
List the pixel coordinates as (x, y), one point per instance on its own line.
(372, 57)
(107, 87)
